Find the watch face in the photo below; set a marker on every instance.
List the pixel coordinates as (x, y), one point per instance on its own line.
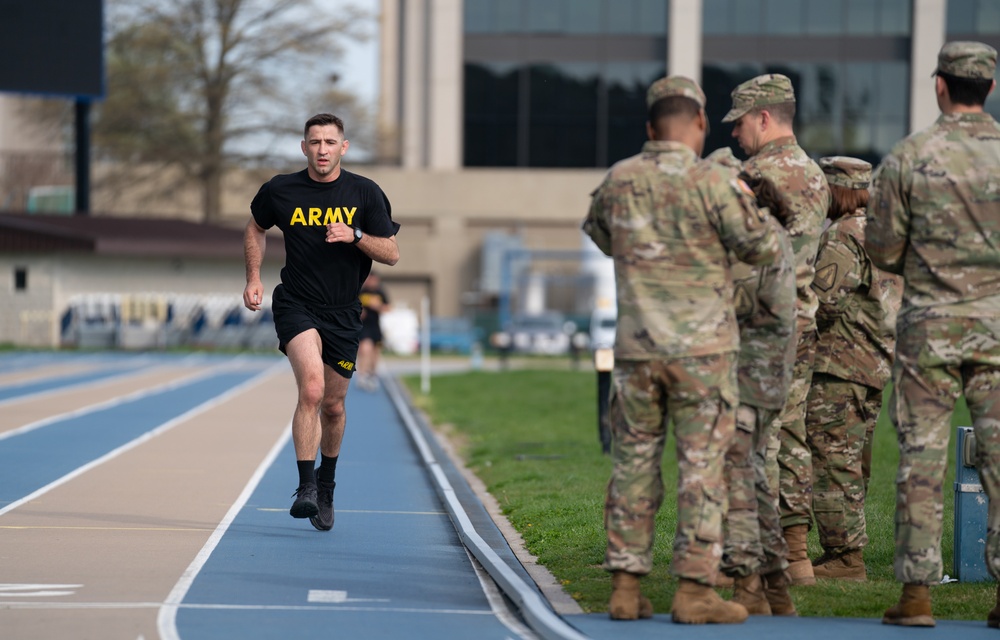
(357, 235)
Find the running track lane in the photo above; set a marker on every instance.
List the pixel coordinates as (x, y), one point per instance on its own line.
(393, 566)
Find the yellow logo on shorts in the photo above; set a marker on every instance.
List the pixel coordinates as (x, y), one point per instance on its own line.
(344, 364)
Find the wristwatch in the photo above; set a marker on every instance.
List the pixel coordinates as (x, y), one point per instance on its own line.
(357, 235)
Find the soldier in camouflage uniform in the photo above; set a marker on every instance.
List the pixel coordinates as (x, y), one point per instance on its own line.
(856, 329)
(762, 113)
(668, 220)
(765, 311)
(936, 220)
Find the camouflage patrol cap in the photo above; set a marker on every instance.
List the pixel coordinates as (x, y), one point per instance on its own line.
(770, 88)
(850, 173)
(967, 60)
(672, 86)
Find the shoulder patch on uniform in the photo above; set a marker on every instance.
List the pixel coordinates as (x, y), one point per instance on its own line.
(743, 301)
(826, 276)
(743, 186)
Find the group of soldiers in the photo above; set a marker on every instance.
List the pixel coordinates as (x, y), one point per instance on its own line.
(763, 306)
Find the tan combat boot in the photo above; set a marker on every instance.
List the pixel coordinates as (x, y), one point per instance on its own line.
(627, 602)
(913, 608)
(993, 620)
(776, 592)
(749, 592)
(800, 570)
(849, 566)
(696, 603)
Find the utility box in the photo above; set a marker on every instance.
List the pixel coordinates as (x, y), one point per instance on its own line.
(971, 506)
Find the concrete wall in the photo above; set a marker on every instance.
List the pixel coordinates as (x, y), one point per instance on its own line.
(32, 317)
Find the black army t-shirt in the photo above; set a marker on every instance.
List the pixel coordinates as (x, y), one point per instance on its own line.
(318, 271)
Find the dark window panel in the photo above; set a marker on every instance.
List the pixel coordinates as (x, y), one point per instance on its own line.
(544, 16)
(20, 278)
(536, 48)
(508, 16)
(988, 17)
(491, 122)
(961, 16)
(478, 16)
(824, 17)
(585, 16)
(895, 18)
(783, 17)
(562, 120)
(858, 109)
(716, 18)
(746, 16)
(862, 17)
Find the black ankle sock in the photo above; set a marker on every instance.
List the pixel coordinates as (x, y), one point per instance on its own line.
(307, 471)
(327, 468)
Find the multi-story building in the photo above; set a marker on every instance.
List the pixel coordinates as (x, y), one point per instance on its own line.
(499, 117)
(510, 110)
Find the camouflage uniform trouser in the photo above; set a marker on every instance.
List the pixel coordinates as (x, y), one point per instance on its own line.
(699, 396)
(789, 447)
(936, 361)
(840, 424)
(753, 538)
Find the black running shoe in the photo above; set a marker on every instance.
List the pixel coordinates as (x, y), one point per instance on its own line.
(305, 501)
(324, 519)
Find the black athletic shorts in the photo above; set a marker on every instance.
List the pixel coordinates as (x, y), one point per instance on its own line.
(339, 327)
(372, 331)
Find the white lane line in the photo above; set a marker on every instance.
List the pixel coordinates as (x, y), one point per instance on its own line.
(238, 607)
(83, 384)
(113, 402)
(166, 619)
(394, 513)
(330, 596)
(147, 436)
(14, 590)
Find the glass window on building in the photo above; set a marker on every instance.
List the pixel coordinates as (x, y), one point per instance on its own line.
(492, 98)
(811, 17)
(969, 17)
(895, 17)
(824, 17)
(562, 115)
(745, 17)
(783, 17)
(862, 17)
(585, 16)
(856, 109)
(490, 16)
(545, 16)
(625, 86)
(571, 89)
(637, 16)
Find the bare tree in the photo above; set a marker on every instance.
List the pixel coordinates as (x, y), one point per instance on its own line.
(188, 80)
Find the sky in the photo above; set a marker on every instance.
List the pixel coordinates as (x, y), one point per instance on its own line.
(359, 68)
(358, 71)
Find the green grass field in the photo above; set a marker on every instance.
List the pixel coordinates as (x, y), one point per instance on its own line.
(531, 436)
